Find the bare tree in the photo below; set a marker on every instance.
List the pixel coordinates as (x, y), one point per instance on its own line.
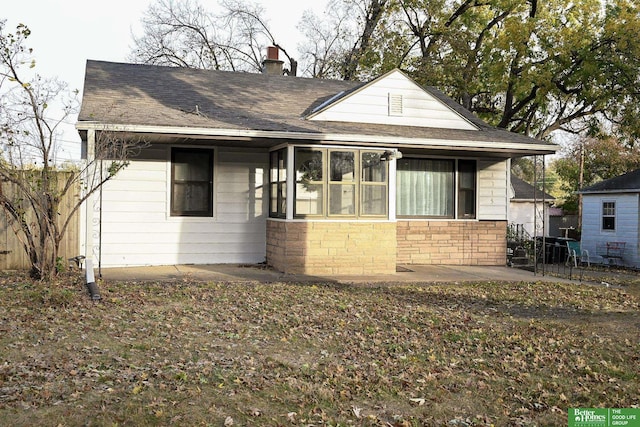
(32, 187)
(370, 13)
(326, 40)
(337, 44)
(184, 34)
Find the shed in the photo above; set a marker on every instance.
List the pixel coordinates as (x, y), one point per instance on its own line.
(611, 218)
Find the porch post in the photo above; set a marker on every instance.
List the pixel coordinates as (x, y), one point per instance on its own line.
(392, 190)
(291, 182)
(86, 232)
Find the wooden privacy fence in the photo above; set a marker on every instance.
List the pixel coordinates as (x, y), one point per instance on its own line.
(12, 253)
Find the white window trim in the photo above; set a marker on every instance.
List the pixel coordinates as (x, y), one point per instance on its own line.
(193, 219)
(615, 215)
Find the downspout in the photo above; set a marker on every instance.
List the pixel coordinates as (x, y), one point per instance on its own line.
(580, 184)
(92, 288)
(100, 227)
(535, 218)
(89, 205)
(544, 190)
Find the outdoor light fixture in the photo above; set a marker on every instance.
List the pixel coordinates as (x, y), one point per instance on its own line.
(391, 155)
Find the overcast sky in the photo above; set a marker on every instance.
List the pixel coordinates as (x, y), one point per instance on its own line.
(65, 33)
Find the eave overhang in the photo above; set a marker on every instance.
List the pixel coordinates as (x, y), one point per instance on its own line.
(609, 192)
(504, 149)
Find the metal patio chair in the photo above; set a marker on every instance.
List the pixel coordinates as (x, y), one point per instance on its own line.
(576, 254)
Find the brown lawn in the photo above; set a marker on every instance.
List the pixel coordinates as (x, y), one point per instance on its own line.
(280, 354)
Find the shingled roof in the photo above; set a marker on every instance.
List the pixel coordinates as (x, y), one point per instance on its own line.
(522, 190)
(145, 95)
(627, 183)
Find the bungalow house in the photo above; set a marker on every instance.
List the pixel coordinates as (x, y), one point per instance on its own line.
(310, 176)
(611, 220)
(529, 208)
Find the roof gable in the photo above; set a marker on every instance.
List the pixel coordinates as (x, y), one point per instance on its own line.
(392, 99)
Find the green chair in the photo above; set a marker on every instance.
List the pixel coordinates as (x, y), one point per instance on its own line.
(577, 254)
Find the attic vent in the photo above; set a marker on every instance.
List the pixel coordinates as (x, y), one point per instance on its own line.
(395, 104)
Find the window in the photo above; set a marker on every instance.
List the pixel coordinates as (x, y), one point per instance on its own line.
(340, 183)
(374, 184)
(608, 215)
(191, 182)
(427, 188)
(278, 183)
(309, 182)
(466, 189)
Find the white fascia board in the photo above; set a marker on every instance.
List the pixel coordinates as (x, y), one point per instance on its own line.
(546, 200)
(247, 134)
(609, 192)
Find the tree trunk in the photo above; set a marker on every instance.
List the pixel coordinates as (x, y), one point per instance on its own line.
(580, 184)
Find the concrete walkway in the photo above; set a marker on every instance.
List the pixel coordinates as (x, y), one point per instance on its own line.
(259, 273)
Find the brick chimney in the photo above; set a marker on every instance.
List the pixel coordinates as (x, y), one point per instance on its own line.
(272, 65)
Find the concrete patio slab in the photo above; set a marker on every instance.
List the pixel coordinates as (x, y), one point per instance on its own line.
(260, 273)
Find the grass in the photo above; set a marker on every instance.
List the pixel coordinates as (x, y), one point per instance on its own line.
(191, 353)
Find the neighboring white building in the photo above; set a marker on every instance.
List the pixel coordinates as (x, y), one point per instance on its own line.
(310, 176)
(611, 217)
(529, 208)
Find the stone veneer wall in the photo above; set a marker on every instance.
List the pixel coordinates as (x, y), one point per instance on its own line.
(452, 242)
(332, 248)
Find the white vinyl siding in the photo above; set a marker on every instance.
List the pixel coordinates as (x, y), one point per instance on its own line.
(137, 228)
(522, 212)
(371, 105)
(492, 190)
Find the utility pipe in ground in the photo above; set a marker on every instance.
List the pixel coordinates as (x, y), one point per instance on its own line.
(94, 293)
